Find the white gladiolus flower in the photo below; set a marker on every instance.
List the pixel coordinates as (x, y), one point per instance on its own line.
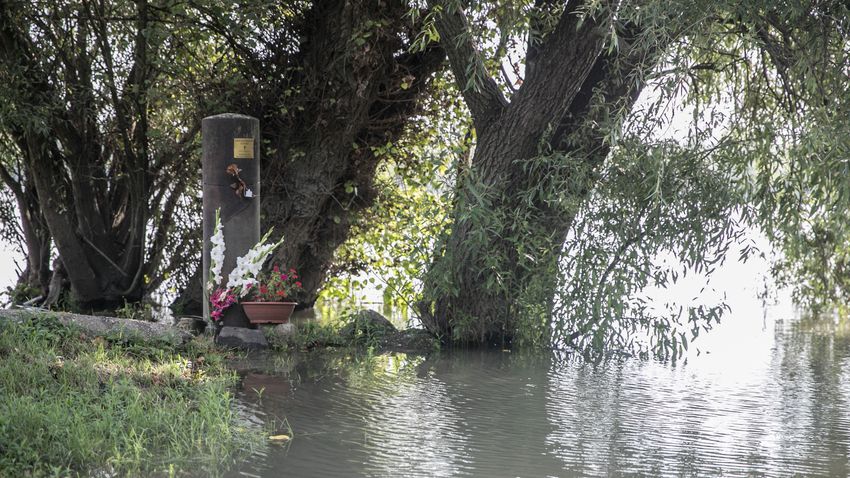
(216, 254)
(249, 266)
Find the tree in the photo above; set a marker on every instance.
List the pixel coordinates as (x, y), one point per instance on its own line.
(101, 90)
(564, 164)
(564, 68)
(96, 169)
(333, 83)
(347, 90)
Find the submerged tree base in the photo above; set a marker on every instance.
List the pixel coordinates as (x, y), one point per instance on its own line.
(73, 404)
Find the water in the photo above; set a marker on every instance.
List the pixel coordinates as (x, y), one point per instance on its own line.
(770, 399)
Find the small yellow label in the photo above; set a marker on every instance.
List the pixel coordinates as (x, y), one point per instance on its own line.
(243, 148)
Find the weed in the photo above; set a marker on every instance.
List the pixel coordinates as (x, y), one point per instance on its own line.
(136, 311)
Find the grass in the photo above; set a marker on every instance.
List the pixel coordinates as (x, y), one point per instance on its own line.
(73, 405)
(309, 335)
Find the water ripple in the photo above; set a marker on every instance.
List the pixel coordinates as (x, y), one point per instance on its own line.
(495, 414)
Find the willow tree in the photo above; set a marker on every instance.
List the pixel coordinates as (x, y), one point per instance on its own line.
(95, 149)
(571, 191)
(333, 83)
(102, 102)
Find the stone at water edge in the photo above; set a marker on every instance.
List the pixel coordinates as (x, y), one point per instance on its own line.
(369, 322)
(242, 338)
(283, 332)
(104, 326)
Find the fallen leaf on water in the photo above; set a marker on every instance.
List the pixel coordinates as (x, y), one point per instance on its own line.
(279, 437)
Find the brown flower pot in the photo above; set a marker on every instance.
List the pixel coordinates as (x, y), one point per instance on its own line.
(268, 312)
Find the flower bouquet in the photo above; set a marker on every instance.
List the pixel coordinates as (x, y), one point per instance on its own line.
(241, 278)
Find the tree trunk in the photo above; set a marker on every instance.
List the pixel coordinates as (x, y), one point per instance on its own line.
(535, 162)
(57, 285)
(33, 282)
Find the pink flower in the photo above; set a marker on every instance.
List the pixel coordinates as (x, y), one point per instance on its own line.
(283, 277)
(220, 300)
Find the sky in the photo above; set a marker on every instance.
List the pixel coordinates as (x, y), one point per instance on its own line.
(8, 269)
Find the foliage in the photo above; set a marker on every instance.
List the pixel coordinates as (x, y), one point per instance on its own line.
(391, 243)
(74, 405)
(307, 336)
(768, 83)
(135, 311)
(275, 285)
(663, 201)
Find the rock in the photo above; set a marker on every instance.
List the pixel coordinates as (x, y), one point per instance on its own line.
(106, 326)
(410, 341)
(242, 338)
(191, 324)
(283, 332)
(367, 322)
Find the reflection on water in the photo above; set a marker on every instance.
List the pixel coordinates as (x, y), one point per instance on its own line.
(781, 410)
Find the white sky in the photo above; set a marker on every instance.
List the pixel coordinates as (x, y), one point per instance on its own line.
(8, 270)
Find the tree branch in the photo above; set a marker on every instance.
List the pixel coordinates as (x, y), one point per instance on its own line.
(612, 77)
(564, 61)
(537, 29)
(101, 34)
(480, 91)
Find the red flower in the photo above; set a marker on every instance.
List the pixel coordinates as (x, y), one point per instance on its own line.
(280, 293)
(276, 268)
(264, 289)
(283, 277)
(297, 284)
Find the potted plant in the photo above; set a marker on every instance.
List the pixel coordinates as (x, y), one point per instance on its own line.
(270, 298)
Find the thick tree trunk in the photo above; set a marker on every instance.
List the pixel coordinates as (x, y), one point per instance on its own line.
(501, 254)
(535, 162)
(358, 87)
(190, 300)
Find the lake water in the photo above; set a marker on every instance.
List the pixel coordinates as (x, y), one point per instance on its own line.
(766, 396)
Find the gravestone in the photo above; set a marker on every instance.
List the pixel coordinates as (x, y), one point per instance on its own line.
(231, 177)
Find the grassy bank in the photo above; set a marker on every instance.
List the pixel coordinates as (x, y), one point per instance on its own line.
(76, 405)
